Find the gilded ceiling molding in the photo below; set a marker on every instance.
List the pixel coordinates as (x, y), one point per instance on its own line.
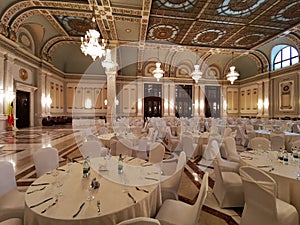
(262, 61)
(145, 19)
(129, 12)
(53, 43)
(294, 39)
(13, 10)
(260, 67)
(107, 23)
(184, 68)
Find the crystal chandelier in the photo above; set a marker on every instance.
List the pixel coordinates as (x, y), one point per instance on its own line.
(196, 74)
(89, 44)
(158, 72)
(232, 75)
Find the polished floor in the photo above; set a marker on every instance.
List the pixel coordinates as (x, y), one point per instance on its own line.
(18, 146)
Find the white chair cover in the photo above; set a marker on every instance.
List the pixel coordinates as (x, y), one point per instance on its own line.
(277, 141)
(142, 148)
(261, 204)
(45, 160)
(12, 202)
(228, 187)
(139, 221)
(211, 150)
(124, 147)
(12, 221)
(170, 185)
(227, 132)
(230, 149)
(188, 146)
(92, 149)
(260, 142)
(179, 213)
(156, 152)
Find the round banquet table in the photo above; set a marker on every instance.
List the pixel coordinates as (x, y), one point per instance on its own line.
(116, 205)
(288, 186)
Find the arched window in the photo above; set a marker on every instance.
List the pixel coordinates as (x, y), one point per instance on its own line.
(284, 56)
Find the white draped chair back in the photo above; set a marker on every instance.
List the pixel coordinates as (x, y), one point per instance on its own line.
(277, 141)
(142, 148)
(230, 149)
(188, 145)
(170, 185)
(227, 132)
(12, 202)
(45, 160)
(178, 213)
(156, 152)
(212, 149)
(228, 187)
(12, 221)
(124, 147)
(92, 149)
(260, 142)
(261, 204)
(139, 221)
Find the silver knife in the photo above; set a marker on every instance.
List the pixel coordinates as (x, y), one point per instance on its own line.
(53, 204)
(79, 210)
(151, 178)
(130, 196)
(42, 202)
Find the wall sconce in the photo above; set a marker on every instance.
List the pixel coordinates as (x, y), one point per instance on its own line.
(116, 101)
(10, 95)
(88, 103)
(266, 103)
(196, 105)
(105, 101)
(140, 104)
(201, 105)
(48, 101)
(224, 105)
(259, 104)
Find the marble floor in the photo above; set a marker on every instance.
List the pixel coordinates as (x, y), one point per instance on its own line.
(18, 146)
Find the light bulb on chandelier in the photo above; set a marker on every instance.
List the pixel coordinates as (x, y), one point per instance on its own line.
(232, 75)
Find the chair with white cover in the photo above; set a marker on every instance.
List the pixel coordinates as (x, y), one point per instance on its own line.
(210, 151)
(230, 149)
(227, 132)
(12, 221)
(179, 213)
(12, 202)
(45, 160)
(139, 221)
(277, 141)
(188, 145)
(124, 147)
(261, 143)
(170, 185)
(156, 152)
(141, 151)
(261, 204)
(228, 187)
(92, 149)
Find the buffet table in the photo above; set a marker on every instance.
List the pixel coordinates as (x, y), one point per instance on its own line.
(114, 195)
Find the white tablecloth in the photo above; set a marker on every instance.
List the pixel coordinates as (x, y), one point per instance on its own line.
(284, 175)
(116, 205)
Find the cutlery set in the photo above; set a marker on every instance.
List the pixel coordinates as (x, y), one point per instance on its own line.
(33, 191)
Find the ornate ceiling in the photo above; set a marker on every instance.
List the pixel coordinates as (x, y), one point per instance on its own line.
(213, 24)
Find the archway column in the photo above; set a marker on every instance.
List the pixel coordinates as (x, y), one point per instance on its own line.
(111, 95)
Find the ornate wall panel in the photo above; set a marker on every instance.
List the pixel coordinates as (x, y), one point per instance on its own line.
(232, 100)
(286, 100)
(249, 99)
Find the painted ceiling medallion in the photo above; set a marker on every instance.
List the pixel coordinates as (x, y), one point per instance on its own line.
(163, 32)
(208, 36)
(75, 25)
(239, 7)
(177, 4)
(288, 13)
(250, 39)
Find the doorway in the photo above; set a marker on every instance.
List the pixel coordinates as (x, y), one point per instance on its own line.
(212, 101)
(22, 109)
(152, 100)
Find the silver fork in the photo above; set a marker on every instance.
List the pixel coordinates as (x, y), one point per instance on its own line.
(98, 207)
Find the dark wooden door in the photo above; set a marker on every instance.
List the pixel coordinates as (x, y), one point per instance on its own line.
(212, 101)
(152, 100)
(23, 109)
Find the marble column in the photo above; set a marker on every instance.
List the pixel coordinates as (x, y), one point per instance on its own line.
(196, 101)
(202, 100)
(260, 102)
(266, 99)
(166, 99)
(111, 95)
(140, 97)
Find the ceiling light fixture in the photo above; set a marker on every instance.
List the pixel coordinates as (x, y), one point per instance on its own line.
(158, 72)
(196, 74)
(232, 75)
(89, 44)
